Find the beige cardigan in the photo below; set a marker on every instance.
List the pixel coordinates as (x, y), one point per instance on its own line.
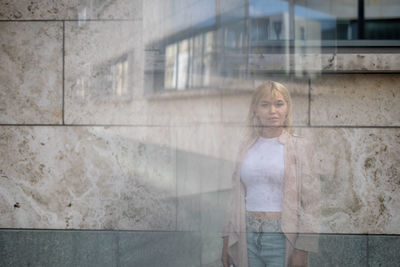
(301, 201)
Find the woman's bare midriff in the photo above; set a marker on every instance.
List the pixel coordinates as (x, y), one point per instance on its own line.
(267, 215)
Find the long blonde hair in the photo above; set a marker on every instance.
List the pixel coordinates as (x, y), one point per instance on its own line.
(254, 128)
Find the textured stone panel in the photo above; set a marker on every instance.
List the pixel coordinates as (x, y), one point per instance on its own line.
(359, 176)
(70, 9)
(103, 73)
(355, 99)
(340, 250)
(87, 178)
(36, 248)
(213, 211)
(360, 179)
(199, 185)
(269, 62)
(180, 111)
(31, 72)
(203, 139)
(175, 249)
(99, 248)
(198, 170)
(346, 62)
(235, 105)
(383, 250)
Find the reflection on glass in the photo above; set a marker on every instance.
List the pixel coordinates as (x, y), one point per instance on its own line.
(183, 64)
(109, 81)
(259, 30)
(190, 62)
(268, 20)
(170, 66)
(382, 19)
(245, 38)
(326, 21)
(112, 79)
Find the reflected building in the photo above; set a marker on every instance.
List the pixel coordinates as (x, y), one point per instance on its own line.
(127, 115)
(200, 43)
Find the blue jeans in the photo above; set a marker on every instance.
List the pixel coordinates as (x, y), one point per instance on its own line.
(266, 244)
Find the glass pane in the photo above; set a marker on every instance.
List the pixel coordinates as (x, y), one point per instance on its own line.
(183, 64)
(382, 19)
(325, 20)
(170, 66)
(269, 20)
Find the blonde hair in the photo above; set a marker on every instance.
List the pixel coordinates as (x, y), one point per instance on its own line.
(254, 128)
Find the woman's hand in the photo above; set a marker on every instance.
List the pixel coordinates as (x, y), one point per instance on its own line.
(226, 258)
(299, 258)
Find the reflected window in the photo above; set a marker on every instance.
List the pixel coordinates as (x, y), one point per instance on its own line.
(268, 20)
(189, 63)
(112, 80)
(382, 20)
(206, 39)
(171, 67)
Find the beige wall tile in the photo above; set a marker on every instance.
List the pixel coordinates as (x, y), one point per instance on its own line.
(360, 178)
(70, 9)
(356, 100)
(31, 72)
(87, 178)
(180, 111)
(103, 73)
(318, 62)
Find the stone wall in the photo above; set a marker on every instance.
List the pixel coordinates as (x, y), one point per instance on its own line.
(76, 155)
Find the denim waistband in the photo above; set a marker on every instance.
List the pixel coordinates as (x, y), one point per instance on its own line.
(257, 224)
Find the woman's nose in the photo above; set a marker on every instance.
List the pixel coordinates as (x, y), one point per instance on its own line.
(272, 109)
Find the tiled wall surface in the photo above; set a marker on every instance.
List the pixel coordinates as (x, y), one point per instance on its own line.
(75, 155)
(152, 248)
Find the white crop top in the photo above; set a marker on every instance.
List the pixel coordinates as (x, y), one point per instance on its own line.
(262, 173)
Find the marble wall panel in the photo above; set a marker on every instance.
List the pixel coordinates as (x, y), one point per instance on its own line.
(87, 178)
(340, 250)
(360, 178)
(31, 72)
(356, 100)
(203, 179)
(104, 73)
(332, 62)
(303, 63)
(200, 192)
(64, 248)
(382, 250)
(235, 105)
(233, 135)
(18, 248)
(173, 249)
(70, 9)
(203, 139)
(213, 217)
(184, 111)
(270, 62)
(198, 170)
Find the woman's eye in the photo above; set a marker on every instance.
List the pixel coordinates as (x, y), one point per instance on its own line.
(279, 104)
(264, 105)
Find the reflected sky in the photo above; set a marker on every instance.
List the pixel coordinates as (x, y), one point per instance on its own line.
(259, 8)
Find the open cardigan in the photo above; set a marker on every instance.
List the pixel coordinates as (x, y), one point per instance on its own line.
(301, 203)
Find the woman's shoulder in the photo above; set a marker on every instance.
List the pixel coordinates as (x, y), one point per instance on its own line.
(301, 141)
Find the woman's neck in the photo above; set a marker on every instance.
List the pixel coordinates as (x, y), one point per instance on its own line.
(271, 132)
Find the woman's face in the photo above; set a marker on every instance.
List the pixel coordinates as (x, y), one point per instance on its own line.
(272, 110)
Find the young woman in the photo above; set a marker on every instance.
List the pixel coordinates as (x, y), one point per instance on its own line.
(273, 217)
